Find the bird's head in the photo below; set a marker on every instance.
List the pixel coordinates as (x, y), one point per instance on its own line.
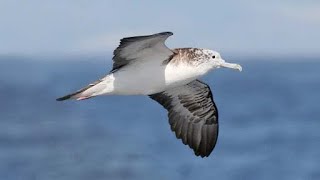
(214, 60)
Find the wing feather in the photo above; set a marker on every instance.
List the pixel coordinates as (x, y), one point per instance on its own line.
(193, 115)
(141, 47)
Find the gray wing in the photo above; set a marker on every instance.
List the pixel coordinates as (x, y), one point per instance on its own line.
(193, 115)
(141, 47)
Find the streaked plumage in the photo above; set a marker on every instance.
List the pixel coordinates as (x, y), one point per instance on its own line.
(143, 65)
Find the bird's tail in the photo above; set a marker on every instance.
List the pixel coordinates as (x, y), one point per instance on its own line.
(84, 93)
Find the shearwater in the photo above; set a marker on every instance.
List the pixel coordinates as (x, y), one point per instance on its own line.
(144, 65)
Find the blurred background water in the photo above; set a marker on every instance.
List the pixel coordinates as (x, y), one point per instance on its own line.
(269, 113)
(269, 125)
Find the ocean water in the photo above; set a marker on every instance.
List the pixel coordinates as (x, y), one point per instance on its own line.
(269, 125)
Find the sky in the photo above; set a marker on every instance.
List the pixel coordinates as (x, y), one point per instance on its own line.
(247, 27)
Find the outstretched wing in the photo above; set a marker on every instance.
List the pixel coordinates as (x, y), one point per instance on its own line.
(141, 47)
(193, 115)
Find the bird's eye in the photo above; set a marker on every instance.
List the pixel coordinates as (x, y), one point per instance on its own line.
(213, 57)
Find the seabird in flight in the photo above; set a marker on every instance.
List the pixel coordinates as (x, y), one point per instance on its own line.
(144, 65)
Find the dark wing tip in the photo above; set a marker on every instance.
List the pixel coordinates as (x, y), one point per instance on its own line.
(209, 137)
(197, 153)
(69, 96)
(137, 38)
(64, 97)
(167, 33)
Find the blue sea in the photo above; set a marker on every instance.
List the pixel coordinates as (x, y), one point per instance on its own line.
(269, 124)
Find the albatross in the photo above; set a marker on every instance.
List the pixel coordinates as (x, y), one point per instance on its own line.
(144, 65)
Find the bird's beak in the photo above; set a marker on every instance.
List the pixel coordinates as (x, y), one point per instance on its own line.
(230, 65)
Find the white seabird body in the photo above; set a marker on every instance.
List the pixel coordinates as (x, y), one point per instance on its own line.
(146, 78)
